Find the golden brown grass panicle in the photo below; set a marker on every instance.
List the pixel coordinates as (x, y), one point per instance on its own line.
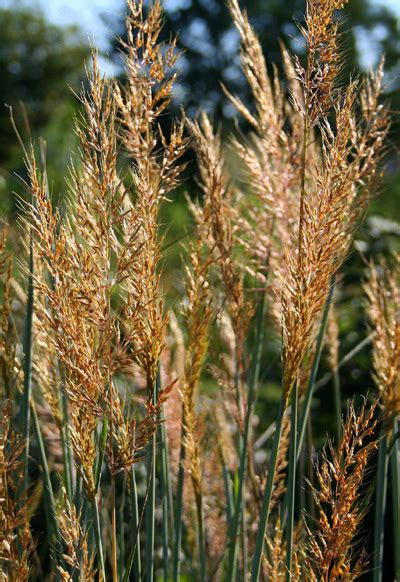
(340, 502)
(110, 245)
(383, 291)
(79, 563)
(218, 215)
(311, 176)
(16, 544)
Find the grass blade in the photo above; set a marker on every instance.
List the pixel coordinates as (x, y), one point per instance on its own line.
(201, 538)
(337, 404)
(102, 450)
(239, 500)
(137, 565)
(97, 532)
(165, 484)
(50, 506)
(395, 476)
(291, 487)
(314, 370)
(266, 502)
(68, 463)
(151, 500)
(380, 506)
(178, 508)
(24, 421)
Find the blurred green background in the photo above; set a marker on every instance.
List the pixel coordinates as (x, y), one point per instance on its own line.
(43, 46)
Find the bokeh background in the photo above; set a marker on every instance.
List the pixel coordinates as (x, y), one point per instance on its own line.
(44, 43)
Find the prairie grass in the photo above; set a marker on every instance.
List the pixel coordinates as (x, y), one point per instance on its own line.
(131, 443)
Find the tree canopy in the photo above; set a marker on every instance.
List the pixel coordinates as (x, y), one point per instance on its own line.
(210, 43)
(38, 60)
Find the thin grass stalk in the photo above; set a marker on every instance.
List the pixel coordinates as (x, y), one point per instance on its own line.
(121, 543)
(137, 565)
(337, 404)
(301, 475)
(291, 486)
(24, 424)
(150, 511)
(395, 478)
(50, 506)
(97, 532)
(151, 500)
(314, 370)
(302, 425)
(178, 507)
(239, 500)
(135, 546)
(228, 489)
(165, 484)
(201, 538)
(114, 530)
(66, 447)
(310, 473)
(380, 505)
(266, 501)
(114, 560)
(102, 450)
(326, 378)
(245, 548)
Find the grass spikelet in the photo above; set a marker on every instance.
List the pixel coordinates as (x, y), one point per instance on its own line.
(384, 304)
(16, 544)
(339, 500)
(77, 557)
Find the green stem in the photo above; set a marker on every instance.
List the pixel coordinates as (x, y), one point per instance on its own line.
(135, 550)
(228, 489)
(310, 475)
(314, 370)
(380, 506)
(165, 483)
(291, 487)
(137, 566)
(65, 441)
(338, 404)
(151, 501)
(97, 532)
(24, 426)
(326, 378)
(395, 475)
(48, 488)
(178, 508)
(121, 544)
(266, 502)
(201, 537)
(100, 458)
(239, 499)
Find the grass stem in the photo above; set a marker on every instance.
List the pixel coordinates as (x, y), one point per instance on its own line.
(266, 501)
(291, 486)
(24, 425)
(337, 404)
(395, 476)
(99, 543)
(380, 506)
(238, 500)
(178, 508)
(314, 370)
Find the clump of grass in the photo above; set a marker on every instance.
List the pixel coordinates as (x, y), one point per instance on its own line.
(146, 425)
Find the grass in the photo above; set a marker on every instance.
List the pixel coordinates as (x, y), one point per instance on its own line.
(147, 415)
